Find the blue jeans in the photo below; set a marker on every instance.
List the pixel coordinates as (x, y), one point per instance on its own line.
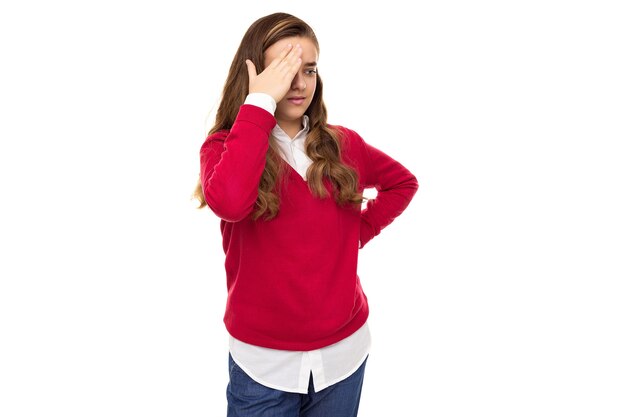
(248, 398)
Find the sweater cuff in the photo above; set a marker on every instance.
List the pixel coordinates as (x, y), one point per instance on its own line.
(367, 233)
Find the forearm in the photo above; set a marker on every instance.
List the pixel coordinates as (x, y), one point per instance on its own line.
(230, 176)
(395, 186)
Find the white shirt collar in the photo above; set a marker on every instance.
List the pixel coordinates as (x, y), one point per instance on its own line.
(281, 136)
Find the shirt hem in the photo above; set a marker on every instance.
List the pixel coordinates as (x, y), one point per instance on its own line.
(347, 375)
(267, 384)
(305, 390)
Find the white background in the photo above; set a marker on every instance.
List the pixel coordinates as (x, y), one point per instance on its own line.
(498, 292)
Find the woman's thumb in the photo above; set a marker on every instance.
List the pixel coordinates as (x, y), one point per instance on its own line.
(251, 69)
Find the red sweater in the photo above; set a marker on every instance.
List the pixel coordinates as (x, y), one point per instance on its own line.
(292, 281)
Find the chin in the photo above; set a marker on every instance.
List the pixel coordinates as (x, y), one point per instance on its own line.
(294, 115)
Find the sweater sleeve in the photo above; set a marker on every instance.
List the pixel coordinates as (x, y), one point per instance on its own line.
(232, 163)
(395, 186)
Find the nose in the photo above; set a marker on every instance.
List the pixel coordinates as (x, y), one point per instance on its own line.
(298, 82)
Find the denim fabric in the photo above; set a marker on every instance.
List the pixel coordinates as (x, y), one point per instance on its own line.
(248, 398)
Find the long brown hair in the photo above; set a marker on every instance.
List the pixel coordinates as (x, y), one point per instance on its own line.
(322, 144)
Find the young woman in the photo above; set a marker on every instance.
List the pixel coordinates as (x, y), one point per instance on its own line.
(287, 187)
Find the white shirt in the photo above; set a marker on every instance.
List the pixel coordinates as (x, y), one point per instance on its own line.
(288, 370)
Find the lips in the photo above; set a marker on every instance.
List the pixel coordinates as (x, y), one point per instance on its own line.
(296, 100)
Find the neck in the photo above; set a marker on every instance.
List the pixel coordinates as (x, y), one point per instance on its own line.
(290, 127)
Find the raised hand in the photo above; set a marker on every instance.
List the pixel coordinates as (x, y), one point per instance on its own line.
(276, 79)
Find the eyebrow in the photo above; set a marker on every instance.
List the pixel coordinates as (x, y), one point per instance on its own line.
(310, 64)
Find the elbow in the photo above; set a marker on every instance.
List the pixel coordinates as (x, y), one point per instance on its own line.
(409, 185)
(230, 215)
(415, 184)
(229, 209)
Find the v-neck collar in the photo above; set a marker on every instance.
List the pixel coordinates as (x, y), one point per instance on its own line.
(291, 171)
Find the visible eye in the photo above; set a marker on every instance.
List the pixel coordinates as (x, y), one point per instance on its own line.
(310, 71)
